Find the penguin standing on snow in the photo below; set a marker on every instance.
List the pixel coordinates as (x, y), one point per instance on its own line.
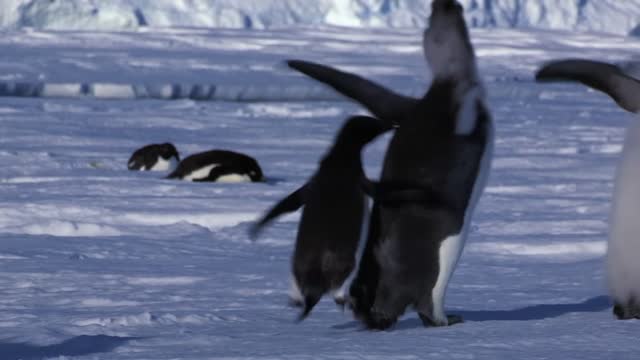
(218, 166)
(623, 267)
(442, 150)
(154, 157)
(334, 209)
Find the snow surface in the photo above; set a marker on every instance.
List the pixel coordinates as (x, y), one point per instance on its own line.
(612, 16)
(100, 263)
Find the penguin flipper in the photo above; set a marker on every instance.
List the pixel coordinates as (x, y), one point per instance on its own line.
(380, 101)
(601, 76)
(291, 203)
(219, 171)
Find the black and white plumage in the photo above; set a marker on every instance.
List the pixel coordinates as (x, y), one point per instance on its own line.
(442, 152)
(623, 251)
(154, 157)
(334, 209)
(218, 166)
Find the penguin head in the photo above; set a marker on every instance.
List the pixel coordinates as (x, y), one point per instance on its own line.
(358, 131)
(446, 43)
(147, 156)
(167, 151)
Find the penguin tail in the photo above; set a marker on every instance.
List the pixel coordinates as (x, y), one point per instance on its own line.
(380, 321)
(310, 301)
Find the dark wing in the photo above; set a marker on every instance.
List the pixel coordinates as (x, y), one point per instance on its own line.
(291, 203)
(380, 101)
(604, 77)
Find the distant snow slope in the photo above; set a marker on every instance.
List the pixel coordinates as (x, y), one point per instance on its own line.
(217, 64)
(612, 16)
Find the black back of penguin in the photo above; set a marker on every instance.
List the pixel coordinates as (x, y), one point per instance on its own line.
(148, 156)
(215, 164)
(440, 148)
(331, 222)
(334, 205)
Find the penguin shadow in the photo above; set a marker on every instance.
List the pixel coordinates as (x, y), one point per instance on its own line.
(534, 312)
(269, 180)
(538, 312)
(76, 346)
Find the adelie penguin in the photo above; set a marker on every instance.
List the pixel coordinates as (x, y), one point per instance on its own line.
(443, 150)
(218, 166)
(332, 219)
(154, 157)
(623, 267)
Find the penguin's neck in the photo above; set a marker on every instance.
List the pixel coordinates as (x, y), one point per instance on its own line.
(448, 105)
(344, 155)
(438, 105)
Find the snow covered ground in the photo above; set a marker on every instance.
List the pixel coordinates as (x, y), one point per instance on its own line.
(103, 263)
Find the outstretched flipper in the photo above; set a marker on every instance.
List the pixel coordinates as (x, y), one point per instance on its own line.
(604, 77)
(291, 203)
(380, 101)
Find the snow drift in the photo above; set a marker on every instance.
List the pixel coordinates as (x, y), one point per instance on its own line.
(611, 16)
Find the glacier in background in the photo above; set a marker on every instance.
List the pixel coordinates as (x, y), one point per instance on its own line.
(610, 16)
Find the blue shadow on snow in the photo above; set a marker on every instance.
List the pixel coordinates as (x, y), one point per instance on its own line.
(534, 312)
(537, 312)
(76, 346)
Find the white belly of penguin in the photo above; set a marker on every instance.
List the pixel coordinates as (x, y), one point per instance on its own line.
(164, 164)
(623, 267)
(451, 247)
(233, 178)
(200, 174)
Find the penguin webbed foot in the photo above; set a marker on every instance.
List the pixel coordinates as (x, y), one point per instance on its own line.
(428, 321)
(358, 303)
(628, 311)
(341, 302)
(380, 321)
(295, 303)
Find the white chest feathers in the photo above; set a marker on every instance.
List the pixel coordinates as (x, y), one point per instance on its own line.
(233, 178)
(624, 239)
(165, 164)
(201, 173)
(467, 117)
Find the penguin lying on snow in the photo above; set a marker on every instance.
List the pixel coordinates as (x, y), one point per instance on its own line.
(332, 218)
(623, 267)
(444, 147)
(218, 166)
(154, 157)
